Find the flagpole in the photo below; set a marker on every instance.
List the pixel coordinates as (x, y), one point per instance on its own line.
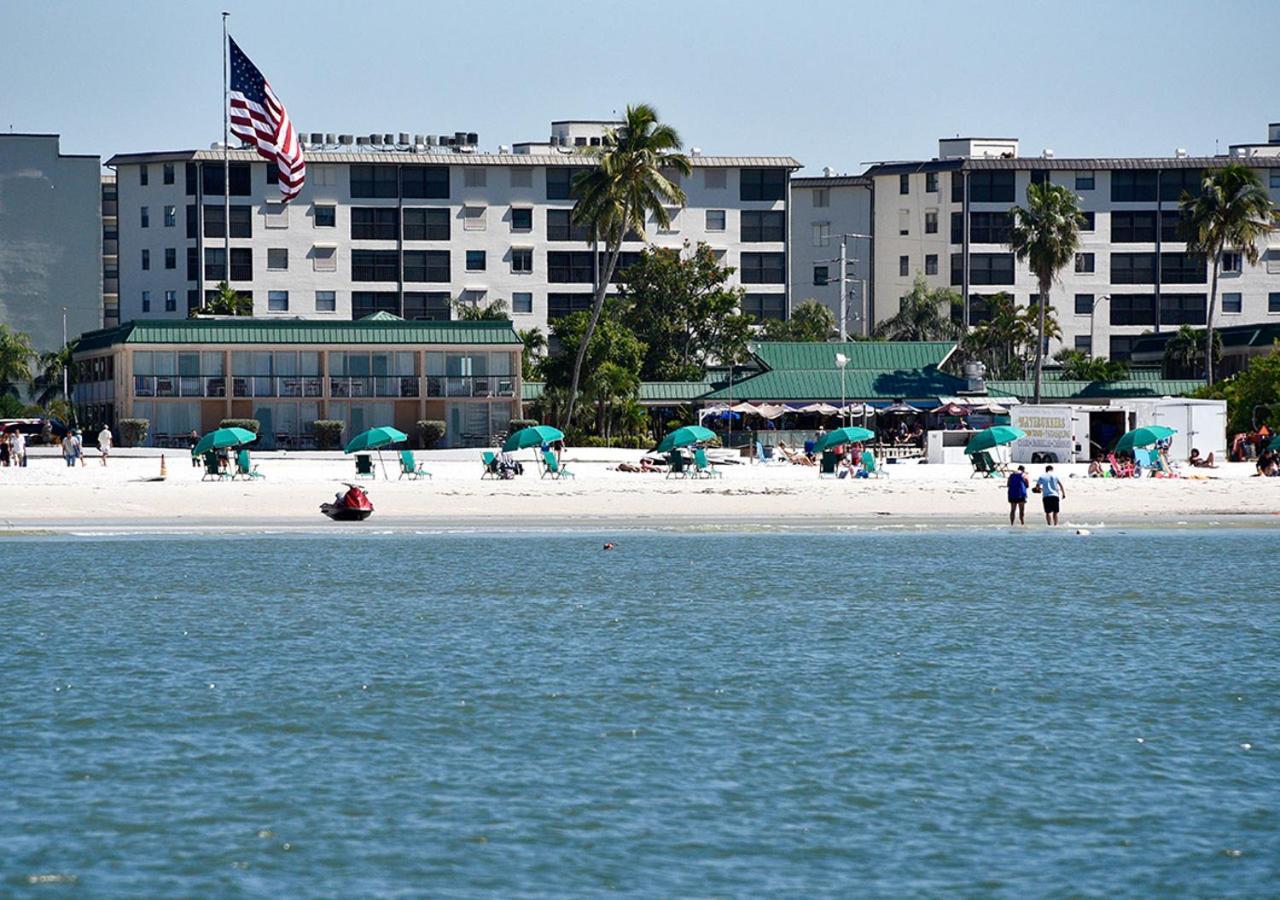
(226, 157)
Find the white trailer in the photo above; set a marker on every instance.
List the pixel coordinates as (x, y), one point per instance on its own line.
(1055, 432)
(1200, 424)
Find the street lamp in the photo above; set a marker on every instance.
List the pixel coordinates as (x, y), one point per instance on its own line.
(1093, 351)
(66, 361)
(841, 362)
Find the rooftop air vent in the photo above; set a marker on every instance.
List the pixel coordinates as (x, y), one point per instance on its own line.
(346, 140)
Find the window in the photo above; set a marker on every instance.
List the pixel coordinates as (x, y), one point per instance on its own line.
(144, 175)
(375, 265)
(521, 177)
(1183, 309)
(820, 275)
(475, 260)
(931, 182)
(1232, 262)
(904, 265)
(759, 226)
(763, 268)
(324, 216)
(1039, 176)
(522, 302)
(273, 174)
(1133, 227)
(475, 177)
(241, 264)
(1172, 226)
(146, 260)
(277, 301)
(215, 222)
(326, 301)
(193, 298)
(673, 221)
(560, 183)
(521, 218)
(170, 216)
(1084, 344)
(170, 301)
(561, 305)
(170, 257)
(931, 222)
(1176, 182)
(322, 176)
(1273, 303)
(991, 187)
(560, 227)
(764, 306)
(1133, 309)
(425, 265)
(424, 182)
(191, 175)
(821, 234)
(193, 264)
(193, 220)
(521, 260)
(324, 258)
(762, 184)
(1084, 304)
(957, 228)
(378, 223)
(904, 221)
(957, 187)
(570, 267)
(1084, 181)
(366, 303)
(821, 198)
(276, 214)
(277, 259)
(474, 218)
(426, 224)
(1275, 179)
(373, 181)
(1087, 221)
(1084, 263)
(715, 220)
(1133, 268)
(1122, 347)
(931, 264)
(1233, 302)
(904, 184)
(1182, 268)
(430, 306)
(989, 227)
(241, 182)
(145, 217)
(1129, 186)
(146, 301)
(715, 179)
(984, 268)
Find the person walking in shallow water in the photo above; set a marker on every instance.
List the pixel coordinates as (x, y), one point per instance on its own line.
(1018, 485)
(1051, 493)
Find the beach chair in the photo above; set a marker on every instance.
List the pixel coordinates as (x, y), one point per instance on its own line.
(983, 465)
(409, 467)
(490, 460)
(675, 465)
(1165, 468)
(761, 457)
(551, 466)
(1120, 469)
(829, 463)
(871, 466)
(212, 470)
(702, 468)
(1145, 461)
(245, 469)
(364, 466)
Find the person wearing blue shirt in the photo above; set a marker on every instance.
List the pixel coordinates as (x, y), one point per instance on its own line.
(1018, 484)
(1051, 492)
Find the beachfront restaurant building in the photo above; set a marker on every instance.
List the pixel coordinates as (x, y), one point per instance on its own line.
(189, 375)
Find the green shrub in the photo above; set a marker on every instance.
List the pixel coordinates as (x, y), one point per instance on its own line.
(617, 441)
(134, 431)
(430, 431)
(328, 433)
(517, 424)
(247, 424)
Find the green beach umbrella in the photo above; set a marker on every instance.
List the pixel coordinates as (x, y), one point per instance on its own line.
(1275, 443)
(995, 436)
(1144, 437)
(683, 437)
(375, 439)
(850, 435)
(534, 436)
(223, 437)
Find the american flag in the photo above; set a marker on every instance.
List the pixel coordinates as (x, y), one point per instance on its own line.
(259, 118)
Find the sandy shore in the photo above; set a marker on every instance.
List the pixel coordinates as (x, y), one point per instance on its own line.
(48, 495)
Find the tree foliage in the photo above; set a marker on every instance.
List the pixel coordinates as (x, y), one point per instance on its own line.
(924, 314)
(493, 311)
(47, 385)
(1080, 366)
(612, 358)
(1252, 395)
(810, 322)
(1184, 352)
(228, 302)
(16, 354)
(1006, 341)
(535, 348)
(678, 305)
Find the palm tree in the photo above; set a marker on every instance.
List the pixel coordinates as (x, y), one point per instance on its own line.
(473, 312)
(1047, 234)
(48, 383)
(1184, 352)
(1080, 366)
(609, 384)
(535, 343)
(16, 354)
(1232, 210)
(923, 315)
(229, 302)
(626, 187)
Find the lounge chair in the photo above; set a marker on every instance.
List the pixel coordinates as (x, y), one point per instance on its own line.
(870, 466)
(702, 468)
(552, 466)
(1146, 461)
(245, 469)
(490, 460)
(364, 466)
(1121, 469)
(984, 465)
(212, 469)
(411, 468)
(675, 465)
(1165, 468)
(830, 462)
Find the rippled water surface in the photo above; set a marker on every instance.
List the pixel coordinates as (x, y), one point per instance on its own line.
(453, 715)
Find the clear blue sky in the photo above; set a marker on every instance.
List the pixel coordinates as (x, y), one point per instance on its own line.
(830, 83)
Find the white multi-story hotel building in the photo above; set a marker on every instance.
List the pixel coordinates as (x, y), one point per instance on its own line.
(410, 227)
(829, 214)
(947, 219)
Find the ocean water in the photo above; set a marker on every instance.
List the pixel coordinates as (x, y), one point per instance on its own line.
(854, 714)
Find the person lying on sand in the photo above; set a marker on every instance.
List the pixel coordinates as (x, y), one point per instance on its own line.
(643, 466)
(1201, 462)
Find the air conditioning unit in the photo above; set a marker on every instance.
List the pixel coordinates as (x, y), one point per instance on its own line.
(346, 140)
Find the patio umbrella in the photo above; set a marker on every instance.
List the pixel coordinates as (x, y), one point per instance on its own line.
(376, 439)
(840, 436)
(1275, 443)
(682, 437)
(905, 409)
(954, 410)
(995, 436)
(1144, 437)
(222, 437)
(534, 436)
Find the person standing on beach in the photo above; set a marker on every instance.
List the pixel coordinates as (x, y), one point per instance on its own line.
(18, 448)
(104, 443)
(1051, 492)
(1018, 485)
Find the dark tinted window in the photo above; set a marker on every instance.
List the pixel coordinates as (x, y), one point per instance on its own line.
(957, 228)
(1175, 182)
(560, 227)
(763, 268)
(1183, 309)
(240, 181)
(759, 226)
(1172, 223)
(991, 187)
(375, 265)
(326, 216)
(373, 181)
(984, 268)
(957, 187)
(241, 264)
(561, 305)
(1133, 309)
(564, 267)
(193, 264)
(1133, 268)
(426, 224)
(193, 220)
(1122, 347)
(989, 227)
(374, 223)
(1084, 304)
(429, 307)
(426, 265)
(521, 218)
(1131, 186)
(366, 303)
(762, 184)
(764, 306)
(1133, 227)
(560, 182)
(425, 182)
(1182, 268)
(191, 179)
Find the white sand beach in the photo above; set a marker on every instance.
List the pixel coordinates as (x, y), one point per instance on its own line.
(48, 495)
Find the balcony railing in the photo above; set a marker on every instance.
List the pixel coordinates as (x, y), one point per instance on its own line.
(178, 386)
(470, 385)
(276, 385)
(374, 386)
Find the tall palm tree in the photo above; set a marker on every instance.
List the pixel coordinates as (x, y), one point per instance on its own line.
(16, 354)
(48, 382)
(535, 345)
(923, 315)
(627, 185)
(1232, 211)
(1046, 233)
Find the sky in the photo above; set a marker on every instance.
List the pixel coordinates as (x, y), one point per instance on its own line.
(835, 84)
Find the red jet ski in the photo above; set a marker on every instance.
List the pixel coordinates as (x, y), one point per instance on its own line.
(353, 506)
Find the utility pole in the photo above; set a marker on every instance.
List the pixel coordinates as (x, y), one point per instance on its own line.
(843, 262)
(66, 362)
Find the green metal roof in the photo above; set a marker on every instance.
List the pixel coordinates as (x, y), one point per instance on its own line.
(1053, 389)
(859, 384)
(1232, 336)
(371, 330)
(883, 356)
(650, 391)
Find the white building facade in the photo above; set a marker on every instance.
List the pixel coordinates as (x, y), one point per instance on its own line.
(411, 228)
(828, 215)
